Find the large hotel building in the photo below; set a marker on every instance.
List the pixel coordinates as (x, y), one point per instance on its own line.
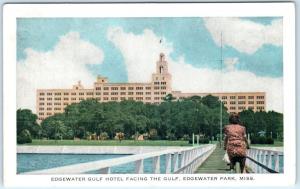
(51, 101)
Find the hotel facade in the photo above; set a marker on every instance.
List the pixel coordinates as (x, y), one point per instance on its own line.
(52, 101)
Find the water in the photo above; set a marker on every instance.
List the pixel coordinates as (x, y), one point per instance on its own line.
(32, 162)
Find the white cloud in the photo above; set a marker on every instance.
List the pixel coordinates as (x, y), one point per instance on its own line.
(140, 53)
(59, 68)
(230, 63)
(244, 35)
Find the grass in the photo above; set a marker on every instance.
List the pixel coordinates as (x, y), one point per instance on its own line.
(276, 144)
(108, 143)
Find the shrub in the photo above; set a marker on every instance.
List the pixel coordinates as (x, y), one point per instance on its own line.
(104, 136)
(262, 140)
(24, 137)
(201, 141)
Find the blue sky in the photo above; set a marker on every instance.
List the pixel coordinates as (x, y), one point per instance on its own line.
(189, 38)
(57, 52)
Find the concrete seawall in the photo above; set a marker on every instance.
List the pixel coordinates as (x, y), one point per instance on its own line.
(92, 149)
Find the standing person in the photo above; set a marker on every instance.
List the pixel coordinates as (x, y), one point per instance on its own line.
(235, 142)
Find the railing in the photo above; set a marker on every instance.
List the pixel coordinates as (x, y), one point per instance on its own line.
(180, 160)
(264, 161)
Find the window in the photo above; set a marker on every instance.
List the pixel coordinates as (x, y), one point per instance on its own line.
(163, 93)
(41, 113)
(81, 98)
(260, 107)
(105, 93)
(148, 88)
(57, 104)
(242, 107)
(139, 93)
(250, 97)
(156, 98)
(81, 94)
(97, 93)
(41, 103)
(41, 108)
(232, 97)
(225, 102)
(241, 102)
(156, 88)
(163, 87)
(260, 102)
(66, 98)
(42, 98)
(232, 108)
(148, 93)
(260, 97)
(139, 88)
(224, 97)
(241, 97)
(98, 98)
(114, 93)
(98, 88)
(163, 83)
(114, 88)
(49, 113)
(123, 98)
(130, 88)
(73, 98)
(148, 98)
(123, 93)
(57, 108)
(139, 98)
(105, 98)
(89, 93)
(49, 104)
(156, 82)
(251, 102)
(42, 94)
(232, 102)
(114, 98)
(73, 93)
(106, 88)
(251, 108)
(49, 108)
(65, 103)
(57, 98)
(123, 88)
(130, 93)
(66, 93)
(156, 93)
(57, 94)
(49, 93)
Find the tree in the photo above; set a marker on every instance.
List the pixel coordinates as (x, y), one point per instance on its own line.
(27, 120)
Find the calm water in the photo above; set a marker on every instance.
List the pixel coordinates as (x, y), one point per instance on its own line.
(32, 162)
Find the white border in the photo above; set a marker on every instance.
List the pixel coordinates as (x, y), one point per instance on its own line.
(13, 11)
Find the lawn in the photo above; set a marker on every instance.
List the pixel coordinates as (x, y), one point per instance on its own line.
(276, 144)
(109, 143)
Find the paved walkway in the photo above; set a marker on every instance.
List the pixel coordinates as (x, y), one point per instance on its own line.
(215, 163)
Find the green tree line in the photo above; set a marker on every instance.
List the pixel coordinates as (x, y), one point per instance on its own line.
(169, 120)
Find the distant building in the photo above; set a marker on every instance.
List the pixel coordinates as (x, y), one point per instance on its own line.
(51, 101)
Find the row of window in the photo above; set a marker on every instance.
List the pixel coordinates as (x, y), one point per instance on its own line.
(243, 107)
(242, 97)
(104, 93)
(244, 102)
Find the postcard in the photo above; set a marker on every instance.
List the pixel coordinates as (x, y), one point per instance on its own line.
(166, 94)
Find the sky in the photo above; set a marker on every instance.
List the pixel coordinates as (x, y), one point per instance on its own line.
(57, 52)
